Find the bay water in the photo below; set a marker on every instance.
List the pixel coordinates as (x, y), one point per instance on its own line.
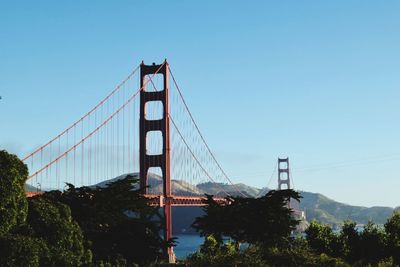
(187, 244)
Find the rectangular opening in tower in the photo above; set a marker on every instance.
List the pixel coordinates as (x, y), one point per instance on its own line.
(283, 176)
(154, 110)
(284, 186)
(154, 82)
(154, 143)
(283, 165)
(155, 180)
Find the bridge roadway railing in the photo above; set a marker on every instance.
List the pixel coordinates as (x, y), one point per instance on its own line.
(176, 201)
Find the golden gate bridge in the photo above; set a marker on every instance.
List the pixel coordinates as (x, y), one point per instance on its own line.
(143, 126)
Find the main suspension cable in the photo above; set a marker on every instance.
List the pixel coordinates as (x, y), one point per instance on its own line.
(86, 115)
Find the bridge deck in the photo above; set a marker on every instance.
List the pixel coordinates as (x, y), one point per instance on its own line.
(159, 200)
(176, 201)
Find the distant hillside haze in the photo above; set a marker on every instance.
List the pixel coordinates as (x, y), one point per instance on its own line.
(30, 188)
(316, 206)
(155, 184)
(323, 209)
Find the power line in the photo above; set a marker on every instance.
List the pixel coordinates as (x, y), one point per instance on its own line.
(348, 164)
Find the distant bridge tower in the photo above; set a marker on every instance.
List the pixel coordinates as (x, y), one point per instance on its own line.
(284, 183)
(283, 174)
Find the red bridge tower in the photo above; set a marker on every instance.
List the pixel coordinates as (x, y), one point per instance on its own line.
(161, 161)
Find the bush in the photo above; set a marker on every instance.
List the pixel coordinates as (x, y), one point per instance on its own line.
(13, 204)
(17, 250)
(52, 222)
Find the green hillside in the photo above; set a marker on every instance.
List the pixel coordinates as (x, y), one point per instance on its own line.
(326, 210)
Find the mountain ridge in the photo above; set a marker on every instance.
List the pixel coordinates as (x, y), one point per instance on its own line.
(317, 206)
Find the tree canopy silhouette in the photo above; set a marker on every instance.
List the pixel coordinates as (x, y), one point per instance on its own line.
(37, 232)
(111, 225)
(116, 220)
(13, 203)
(266, 220)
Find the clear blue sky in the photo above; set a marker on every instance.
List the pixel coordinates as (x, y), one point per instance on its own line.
(317, 81)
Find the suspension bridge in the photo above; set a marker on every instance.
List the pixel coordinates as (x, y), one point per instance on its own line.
(142, 127)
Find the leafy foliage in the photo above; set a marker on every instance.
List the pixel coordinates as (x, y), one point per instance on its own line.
(41, 233)
(116, 221)
(244, 219)
(351, 241)
(373, 243)
(13, 204)
(370, 247)
(19, 250)
(103, 226)
(52, 222)
(318, 206)
(322, 239)
(392, 229)
(114, 226)
(266, 220)
(297, 253)
(215, 254)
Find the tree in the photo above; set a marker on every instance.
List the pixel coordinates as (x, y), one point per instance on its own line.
(214, 254)
(266, 220)
(351, 240)
(19, 250)
(373, 243)
(52, 222)
(392, 229)
(41, 233)
(299, 253)
(13, 204)
(116, 220)
(322, 239)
